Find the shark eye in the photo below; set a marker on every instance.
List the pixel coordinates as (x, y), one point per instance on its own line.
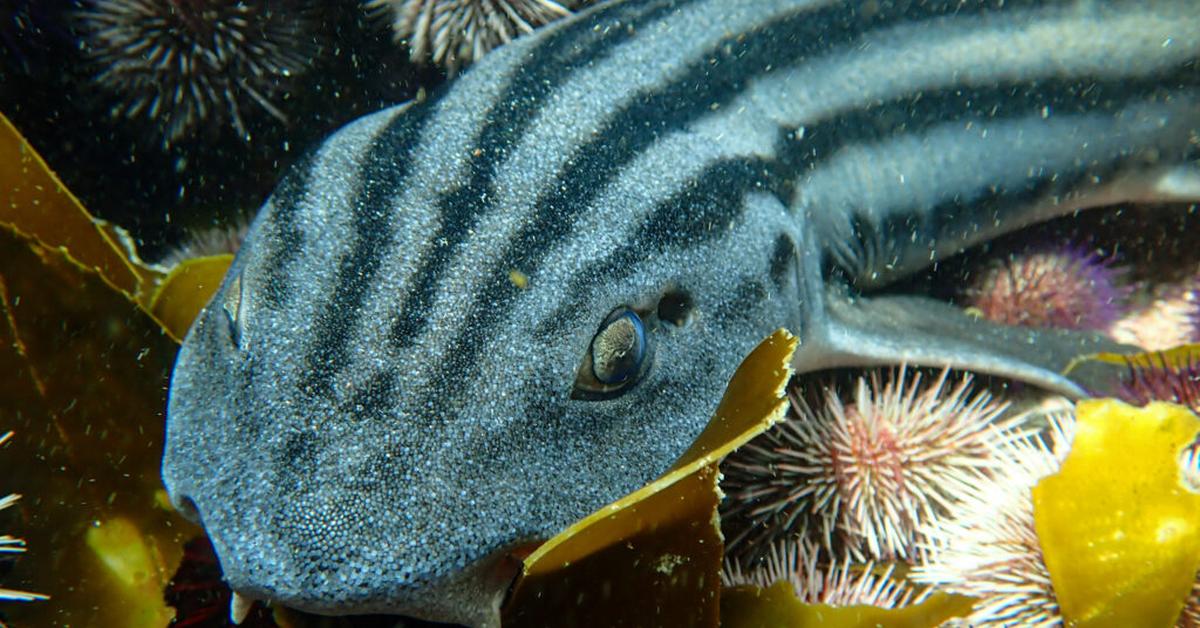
(616, 357)
(619, 347)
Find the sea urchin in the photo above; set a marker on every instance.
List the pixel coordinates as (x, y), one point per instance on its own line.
(180, 64)
(835, 584)
(1170, 318)
(1065, 287)
(863, 476)
(989, 549)
(218, 239)
(1173, 377)
(454, 33)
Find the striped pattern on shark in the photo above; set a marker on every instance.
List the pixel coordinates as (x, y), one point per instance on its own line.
(372, 412)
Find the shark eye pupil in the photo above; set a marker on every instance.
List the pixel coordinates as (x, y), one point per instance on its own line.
(619, 347)
(617, 357)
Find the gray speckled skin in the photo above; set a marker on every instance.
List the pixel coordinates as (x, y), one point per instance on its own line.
(370, 412)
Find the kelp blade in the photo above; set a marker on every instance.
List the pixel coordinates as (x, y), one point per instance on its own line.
(1119, 530)
(84, 392)
(35, 203)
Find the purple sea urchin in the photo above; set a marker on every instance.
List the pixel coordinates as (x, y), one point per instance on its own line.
(454, 33)
(180, 64)
(1067, 287)
(989, 549)
(836, 584)
(1157, 378)
(863, 476)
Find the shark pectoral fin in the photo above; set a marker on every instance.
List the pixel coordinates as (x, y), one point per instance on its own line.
(862, 331)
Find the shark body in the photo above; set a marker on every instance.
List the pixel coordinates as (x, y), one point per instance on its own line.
(463, 323)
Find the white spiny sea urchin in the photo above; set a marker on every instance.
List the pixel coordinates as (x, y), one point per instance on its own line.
(989, 549)
(455, 33)
(836, 584)
(864, 476)
(10, 545)
(1167, 321)
(216, 240)
(181, 64)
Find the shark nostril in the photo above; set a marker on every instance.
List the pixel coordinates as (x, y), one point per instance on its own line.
(675, 307)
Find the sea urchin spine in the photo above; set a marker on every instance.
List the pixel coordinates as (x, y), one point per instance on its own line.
(10, 545)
